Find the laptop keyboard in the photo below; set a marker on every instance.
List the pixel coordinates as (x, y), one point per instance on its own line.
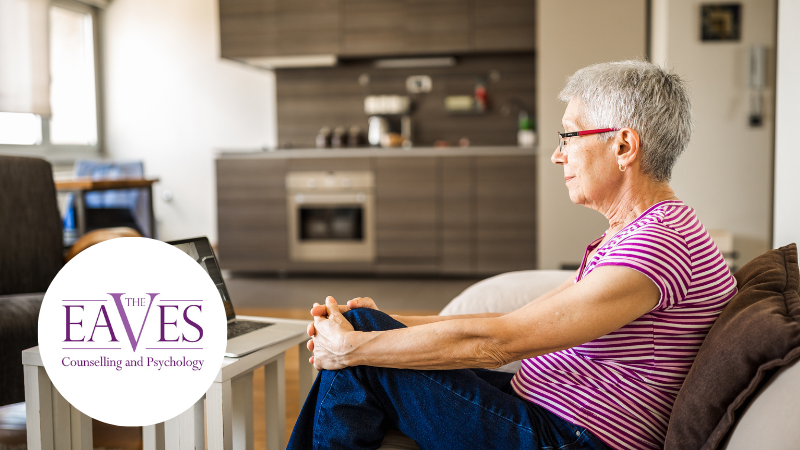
(240, 327)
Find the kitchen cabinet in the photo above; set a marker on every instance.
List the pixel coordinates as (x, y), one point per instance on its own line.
(505, 214)
(265, 28)
(457, 216)
(449, 215)
(373, 28)
(251, 214)
(503, 25)
(405, 214)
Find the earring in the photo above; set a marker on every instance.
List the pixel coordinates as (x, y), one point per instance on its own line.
(622, 168)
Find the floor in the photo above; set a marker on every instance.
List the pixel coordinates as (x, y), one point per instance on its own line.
(388, 293)
(291, 298)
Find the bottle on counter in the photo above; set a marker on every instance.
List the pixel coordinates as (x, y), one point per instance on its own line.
(526, 137)
(480, 95)
(323, 139)
(354, 136)
(338, 138)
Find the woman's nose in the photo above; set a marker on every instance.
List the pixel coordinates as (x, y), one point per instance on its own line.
(558, 157)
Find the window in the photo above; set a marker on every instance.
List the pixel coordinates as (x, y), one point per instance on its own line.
(72, 127)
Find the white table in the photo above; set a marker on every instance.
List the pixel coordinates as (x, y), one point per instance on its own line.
(54, 424)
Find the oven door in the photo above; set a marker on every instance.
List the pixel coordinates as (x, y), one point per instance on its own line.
(331, 227)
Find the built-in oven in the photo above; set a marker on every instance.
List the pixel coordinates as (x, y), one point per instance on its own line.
(331, 216)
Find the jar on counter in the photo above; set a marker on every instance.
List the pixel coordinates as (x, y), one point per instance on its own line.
(338, 138)
(323, 139)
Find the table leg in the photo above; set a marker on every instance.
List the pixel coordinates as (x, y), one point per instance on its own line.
(80, 212)
(38, 408)
(307, 373)
(172, 433)
(153, 437)
(190, 428)
(219, 413)
(152, 221)
(242, 390)
(81, 426)
(275, 402)
(62, 438)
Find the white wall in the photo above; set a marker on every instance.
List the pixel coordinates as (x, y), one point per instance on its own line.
(572, 34)
(787, 118)
(170, 100)
(726, 173)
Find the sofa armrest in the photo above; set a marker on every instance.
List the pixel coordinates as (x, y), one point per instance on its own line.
(19, 319)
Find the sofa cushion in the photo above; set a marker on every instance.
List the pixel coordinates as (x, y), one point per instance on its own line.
(770, 418)
(759, 331)
(505, 292)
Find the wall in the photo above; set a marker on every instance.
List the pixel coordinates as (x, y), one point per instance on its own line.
(787, 116)
(311, 98)
(170, 100)
(573, 34)
(726, 172)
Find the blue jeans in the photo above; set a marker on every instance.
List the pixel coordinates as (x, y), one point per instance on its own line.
(353, 408)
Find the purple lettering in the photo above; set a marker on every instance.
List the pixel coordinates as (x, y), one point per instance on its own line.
(192, 323)
(163, 307)
(69, 324)
(124, 316)
(107, 325)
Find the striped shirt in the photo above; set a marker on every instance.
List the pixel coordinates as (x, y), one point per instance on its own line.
(622, 386)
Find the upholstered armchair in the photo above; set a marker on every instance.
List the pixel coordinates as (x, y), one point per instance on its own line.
(31, 254)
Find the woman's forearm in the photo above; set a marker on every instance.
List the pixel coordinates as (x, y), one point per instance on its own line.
(413, 321)
(451, 344)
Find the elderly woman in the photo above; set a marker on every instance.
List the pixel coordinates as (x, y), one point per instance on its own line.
(603, 355)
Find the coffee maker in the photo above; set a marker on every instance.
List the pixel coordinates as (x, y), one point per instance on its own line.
(389, 121)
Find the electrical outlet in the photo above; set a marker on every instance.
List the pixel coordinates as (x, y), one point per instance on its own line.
(418, 84)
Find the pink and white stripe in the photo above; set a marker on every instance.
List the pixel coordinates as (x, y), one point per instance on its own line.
(622, 386)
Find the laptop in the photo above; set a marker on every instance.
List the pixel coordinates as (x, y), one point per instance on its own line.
(244, 336)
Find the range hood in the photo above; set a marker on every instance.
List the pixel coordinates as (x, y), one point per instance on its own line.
(289, 62)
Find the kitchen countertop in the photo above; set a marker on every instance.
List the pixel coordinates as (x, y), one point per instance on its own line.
(369, 152)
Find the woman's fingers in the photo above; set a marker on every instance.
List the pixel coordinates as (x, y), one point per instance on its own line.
(310, 330)
(362, 302)
(310, 345)
(333, 308)
(319, 310)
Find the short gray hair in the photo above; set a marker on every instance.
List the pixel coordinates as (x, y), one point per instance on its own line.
(642, 96)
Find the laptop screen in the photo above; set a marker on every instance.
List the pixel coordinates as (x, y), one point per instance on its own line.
(200, 250)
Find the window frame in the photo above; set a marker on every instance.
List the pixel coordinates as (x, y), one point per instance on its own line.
(70, 152)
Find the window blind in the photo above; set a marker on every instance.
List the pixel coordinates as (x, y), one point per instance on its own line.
(24, 57)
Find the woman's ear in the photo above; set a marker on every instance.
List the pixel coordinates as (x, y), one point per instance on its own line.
(626, 146)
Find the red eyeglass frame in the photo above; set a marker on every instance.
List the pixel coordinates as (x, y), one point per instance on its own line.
(561, 135)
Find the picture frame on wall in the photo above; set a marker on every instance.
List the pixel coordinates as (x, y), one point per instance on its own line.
(721, 22)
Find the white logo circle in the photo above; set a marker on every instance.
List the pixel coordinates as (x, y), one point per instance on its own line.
(132, 331)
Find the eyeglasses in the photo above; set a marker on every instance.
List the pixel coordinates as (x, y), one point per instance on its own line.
(562, 137)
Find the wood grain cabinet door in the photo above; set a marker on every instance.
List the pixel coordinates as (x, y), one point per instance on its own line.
(251, 214)
(406, 214)
(436, 26)
(308, 27)
(248, 28)
(503, 25)
(457, 216)
(505, 202)
(373, 27)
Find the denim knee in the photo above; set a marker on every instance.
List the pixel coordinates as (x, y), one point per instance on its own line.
(365, 319)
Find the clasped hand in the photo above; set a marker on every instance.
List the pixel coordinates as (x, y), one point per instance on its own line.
(331, 333)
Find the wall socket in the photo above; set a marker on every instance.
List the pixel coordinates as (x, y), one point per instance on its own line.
(419, 84)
